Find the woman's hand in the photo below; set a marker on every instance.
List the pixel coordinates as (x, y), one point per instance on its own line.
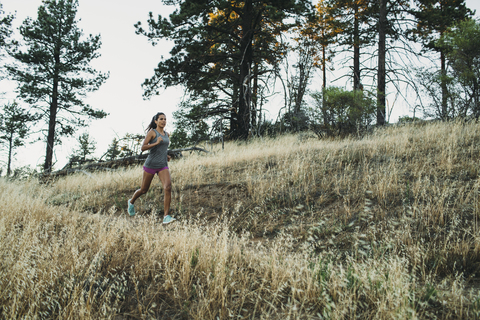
(159, 139)
(150, 136)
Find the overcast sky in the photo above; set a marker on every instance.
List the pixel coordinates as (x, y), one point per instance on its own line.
(129, 58)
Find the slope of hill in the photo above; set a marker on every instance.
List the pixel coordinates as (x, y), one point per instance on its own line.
(380, 227)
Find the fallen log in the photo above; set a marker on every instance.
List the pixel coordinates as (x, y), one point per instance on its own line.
(117, 163)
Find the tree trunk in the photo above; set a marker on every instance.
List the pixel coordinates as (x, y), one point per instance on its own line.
(255, 95)
(10, 151)
(233, 126)
(51, 129)
(324, 67)
(356, 50)
(245, 64)
(324, 86)
(476, 102)
(443, 83)
(381, 63)
(47, 167)
(299, 93)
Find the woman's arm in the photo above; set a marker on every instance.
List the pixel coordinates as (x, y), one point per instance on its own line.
(150, 136)
(168, 157)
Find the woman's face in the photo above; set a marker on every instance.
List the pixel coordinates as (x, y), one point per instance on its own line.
(161, 121)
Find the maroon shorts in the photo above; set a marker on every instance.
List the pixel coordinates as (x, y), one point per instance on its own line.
(153, 171)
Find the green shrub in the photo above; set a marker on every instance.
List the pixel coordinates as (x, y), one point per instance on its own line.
(338, 111)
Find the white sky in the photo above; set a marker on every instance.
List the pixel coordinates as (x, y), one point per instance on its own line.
(130, 59)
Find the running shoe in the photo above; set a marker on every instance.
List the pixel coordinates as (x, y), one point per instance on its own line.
(131, 209)
(168, 219)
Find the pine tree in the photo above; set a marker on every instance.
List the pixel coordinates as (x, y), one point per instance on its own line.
(218, 46)
(5, 27)
(388, 16)
(356, 31)
(86, 147)
(434, 17)
(54, 74)
(462, 48)
(14, 129)
(319, 34)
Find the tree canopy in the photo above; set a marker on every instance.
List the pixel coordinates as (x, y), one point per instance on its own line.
(433, 19)
(216, 44)
(462, 46)
(5, 33)
(5, 26)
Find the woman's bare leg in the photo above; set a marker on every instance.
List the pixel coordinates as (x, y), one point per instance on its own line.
(164, 176)
(146, 181)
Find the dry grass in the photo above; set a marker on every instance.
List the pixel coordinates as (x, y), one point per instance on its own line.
(381, 227)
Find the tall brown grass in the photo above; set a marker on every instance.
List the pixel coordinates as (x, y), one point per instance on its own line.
(379, 227)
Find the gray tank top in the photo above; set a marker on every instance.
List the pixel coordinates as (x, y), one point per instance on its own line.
(157, 158)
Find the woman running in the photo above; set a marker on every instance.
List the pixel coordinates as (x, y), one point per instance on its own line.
(157, 141)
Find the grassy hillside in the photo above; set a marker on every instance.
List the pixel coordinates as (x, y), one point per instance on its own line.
(382, 227)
